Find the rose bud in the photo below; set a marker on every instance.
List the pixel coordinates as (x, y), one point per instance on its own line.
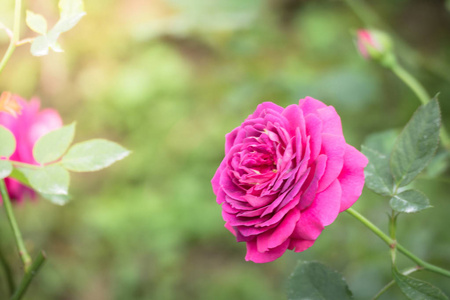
(374, 44)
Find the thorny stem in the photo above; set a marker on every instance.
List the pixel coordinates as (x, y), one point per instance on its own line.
(390, 242)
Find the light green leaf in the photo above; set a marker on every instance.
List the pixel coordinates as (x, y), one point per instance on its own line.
(40, 45)
(93, 155)
(7, 142)
(51, 179)
(57, 199)
(416, 289)
(71, 12)
(409, 201)
(36, 22)
(54, 144)
(5, 168)
(378, 173)
(66, 24)
(313, 280)
(416, 144)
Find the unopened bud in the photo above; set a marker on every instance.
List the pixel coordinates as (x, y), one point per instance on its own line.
(376, 45)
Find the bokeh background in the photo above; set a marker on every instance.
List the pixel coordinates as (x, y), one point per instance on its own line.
(168, 79)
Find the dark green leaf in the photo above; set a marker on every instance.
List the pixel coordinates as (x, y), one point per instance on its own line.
(416, 144)
(416, 289)
(57, 199)
(313, 280)
(5, 168)
(51, 179)
(409, 201)
(54, 144)
(378, 173)
(93, 155)
(7, 142)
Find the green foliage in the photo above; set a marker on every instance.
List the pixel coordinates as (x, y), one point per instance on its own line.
(409, 201)
(393, 165)
(54, 144)
(378, 173)
(93, 155)
(52, 179)
(8, 144)
(313, 280)
(71, 12)
(416, 289)
(36, 22)
(416, 144)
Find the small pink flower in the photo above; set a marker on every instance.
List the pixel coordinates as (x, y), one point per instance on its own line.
(287, 173)
(27, 127)
(373, 43)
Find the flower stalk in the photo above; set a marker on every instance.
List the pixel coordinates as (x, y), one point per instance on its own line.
(390, 242)
(26, 259)
(15, 37)
(29, 275)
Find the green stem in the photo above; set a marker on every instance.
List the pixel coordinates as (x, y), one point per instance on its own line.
(390, 242)
(8, 273)
(392, 282)
(392, 233)
(15, 228)
(16, 34)
(421, 93)
(26, 280)
(410, 81)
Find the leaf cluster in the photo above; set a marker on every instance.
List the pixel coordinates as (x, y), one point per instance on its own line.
(56, 157)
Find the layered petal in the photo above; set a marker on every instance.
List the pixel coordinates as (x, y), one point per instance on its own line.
(286, 175)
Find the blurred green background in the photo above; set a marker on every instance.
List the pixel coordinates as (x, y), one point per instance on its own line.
(168, 79)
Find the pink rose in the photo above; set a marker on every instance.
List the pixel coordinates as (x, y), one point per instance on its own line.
(27, 127)
(287, 173)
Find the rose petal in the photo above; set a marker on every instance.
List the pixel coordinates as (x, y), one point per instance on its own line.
(333, 147)
(352, 177)
(270, 255)
(284, 229)
(330, 120)
(322, 212)
(300, 245)
(314, 131)
(310, 105)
